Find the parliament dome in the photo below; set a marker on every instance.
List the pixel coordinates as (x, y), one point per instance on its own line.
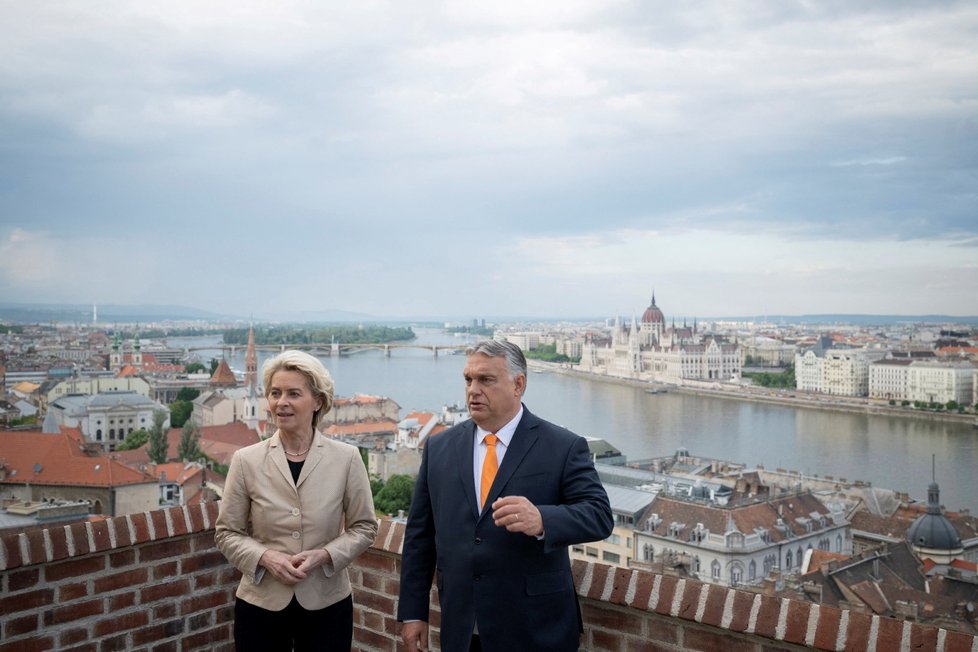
(652, 314)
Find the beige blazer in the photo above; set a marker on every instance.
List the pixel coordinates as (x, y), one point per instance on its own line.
(330, 507)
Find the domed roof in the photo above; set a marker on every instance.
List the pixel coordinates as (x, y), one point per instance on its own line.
(652, 314)
(933, 530)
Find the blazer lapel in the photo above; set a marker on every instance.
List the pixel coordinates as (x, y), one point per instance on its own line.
(463, 462)
(277, 453)
(313, 459)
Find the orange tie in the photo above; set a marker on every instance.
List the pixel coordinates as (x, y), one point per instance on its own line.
(489, 467)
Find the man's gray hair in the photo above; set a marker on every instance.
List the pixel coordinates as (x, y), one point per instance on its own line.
(515, 360)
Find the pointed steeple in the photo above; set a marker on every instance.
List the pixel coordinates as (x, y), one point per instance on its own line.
(251, 361)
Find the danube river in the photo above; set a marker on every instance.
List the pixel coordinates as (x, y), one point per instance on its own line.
(892, 452)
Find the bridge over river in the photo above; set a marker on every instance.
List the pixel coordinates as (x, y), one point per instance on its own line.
(334, 348)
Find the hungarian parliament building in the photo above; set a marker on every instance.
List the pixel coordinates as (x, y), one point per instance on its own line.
(649, 350)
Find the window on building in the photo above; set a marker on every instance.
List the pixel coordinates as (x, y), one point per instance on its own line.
(610, 557)
(788, 560)
(98, 435)
(752, 570)
(591, 552)
(614, 539)
(578, 549)
(736, 574)
(715, 569)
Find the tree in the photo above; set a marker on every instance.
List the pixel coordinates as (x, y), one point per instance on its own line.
(189, 448)
(180, 412)
(134, 440)
(158, 446)
(194, 367)
(395, 494)
(188, 393)
(214, 363)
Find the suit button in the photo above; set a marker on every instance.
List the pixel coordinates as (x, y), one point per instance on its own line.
(295, 535)
(295, 511)
(478, 541)
(477, 578)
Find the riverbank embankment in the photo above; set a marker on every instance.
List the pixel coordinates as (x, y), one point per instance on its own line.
(792, 398)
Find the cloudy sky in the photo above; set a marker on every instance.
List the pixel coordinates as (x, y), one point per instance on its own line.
(477, 158)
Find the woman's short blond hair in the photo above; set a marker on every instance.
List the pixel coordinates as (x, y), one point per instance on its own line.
(317, 376)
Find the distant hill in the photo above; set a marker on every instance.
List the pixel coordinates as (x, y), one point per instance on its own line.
(38, 313)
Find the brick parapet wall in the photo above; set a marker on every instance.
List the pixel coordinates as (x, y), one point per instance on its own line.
(155, 582)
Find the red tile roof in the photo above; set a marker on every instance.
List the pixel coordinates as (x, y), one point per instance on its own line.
(59, 459)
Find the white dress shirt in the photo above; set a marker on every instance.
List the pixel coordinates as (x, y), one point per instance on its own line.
(504, 436)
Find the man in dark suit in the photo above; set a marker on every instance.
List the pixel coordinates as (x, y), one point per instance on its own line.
(500, 562)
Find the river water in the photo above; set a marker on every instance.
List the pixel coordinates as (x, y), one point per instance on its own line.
(892, 452)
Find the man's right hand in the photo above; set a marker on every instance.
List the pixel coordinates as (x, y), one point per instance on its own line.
(415, 636)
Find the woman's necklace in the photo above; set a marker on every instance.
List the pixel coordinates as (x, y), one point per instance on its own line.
(299, 453)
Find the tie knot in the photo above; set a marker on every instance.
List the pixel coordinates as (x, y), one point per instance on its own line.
(490, 440)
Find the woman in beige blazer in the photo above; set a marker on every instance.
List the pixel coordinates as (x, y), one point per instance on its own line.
(296, 511)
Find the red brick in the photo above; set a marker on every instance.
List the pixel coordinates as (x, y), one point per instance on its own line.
(132, 577)
(372, 581)
(122, 601)
(643, 589)
(691, 599)
(202, 561)
(79, 535)
(605, 641)
(171, 646)
(667, 591)
(179, 522)
(890, 634)
(11, 548)
(31, 645)
(641, 645)
(59, 543)
(768, 616)
(166, 571)
(120, 526)
(74, 568)
(199, 621)
(923, 638)
(157, 632)
(155, 592)
(578, 570)
(224, 615)
(611, 619)
(158, 519)
(100, 532)
(797, 622)
(73, 591)
(23, 579)
(742, 605)
(13, 627)
(619, 588)
(205, 580)
(74, 611)
(204, 602)
(206, 639)
(857, 633)
(382, 530)
(141, 525)
(711, 641)
(120, 623)
(35, 547)
(663, 630)
(397, 540)
(166, 549)
(196, 518)
(827, 632)
(10, 604)
(377, 561)
(164, 610)
(957, 642)
(372, 640)
(114, 644)
(122, 558)
(715, 599)
(72, 636)
(599, 576)
(383, 604)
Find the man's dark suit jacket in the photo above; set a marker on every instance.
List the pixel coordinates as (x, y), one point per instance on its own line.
(519, 589)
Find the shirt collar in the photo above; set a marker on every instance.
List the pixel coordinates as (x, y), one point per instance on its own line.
(505, 434)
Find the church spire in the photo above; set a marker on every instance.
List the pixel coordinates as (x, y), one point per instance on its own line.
(251, 360)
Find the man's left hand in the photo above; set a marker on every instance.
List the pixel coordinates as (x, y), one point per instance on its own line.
(517, 514)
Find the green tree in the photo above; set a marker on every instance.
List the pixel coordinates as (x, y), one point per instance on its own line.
(194, 367)
(188, 393)
(180, 412)
(158, 446)
(395, 494)
(214, 363)
(189, 447)
(134, 440)
(952, 405)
